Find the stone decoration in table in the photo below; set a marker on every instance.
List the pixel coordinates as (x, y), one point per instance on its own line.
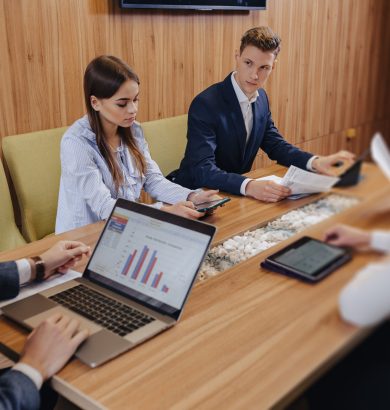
(241, 247)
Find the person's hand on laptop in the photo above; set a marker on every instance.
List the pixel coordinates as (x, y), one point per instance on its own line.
(326, 164)
(60, 257)
(51, 344)
(267, 191)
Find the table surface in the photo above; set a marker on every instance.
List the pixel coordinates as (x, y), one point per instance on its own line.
(248, 338)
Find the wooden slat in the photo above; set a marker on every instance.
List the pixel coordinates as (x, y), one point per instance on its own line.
(332, 72)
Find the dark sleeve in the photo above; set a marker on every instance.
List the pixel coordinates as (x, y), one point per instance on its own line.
(201, 147)
(18, 392)
(9, 280)
(278, 149)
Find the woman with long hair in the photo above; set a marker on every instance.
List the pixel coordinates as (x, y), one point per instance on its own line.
(104, 155)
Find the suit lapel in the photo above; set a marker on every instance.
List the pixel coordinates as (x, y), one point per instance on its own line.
(230, 97)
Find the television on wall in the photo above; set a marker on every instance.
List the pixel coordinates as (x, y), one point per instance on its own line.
(195, 4)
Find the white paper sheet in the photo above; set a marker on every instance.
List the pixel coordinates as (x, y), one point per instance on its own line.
(31, 289)
(381, 153)
(303, 182)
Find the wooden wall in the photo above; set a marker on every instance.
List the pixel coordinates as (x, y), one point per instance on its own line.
(332, 73)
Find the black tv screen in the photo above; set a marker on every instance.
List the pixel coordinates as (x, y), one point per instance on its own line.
(196, 4)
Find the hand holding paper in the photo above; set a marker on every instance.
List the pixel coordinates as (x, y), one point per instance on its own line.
(303, 182)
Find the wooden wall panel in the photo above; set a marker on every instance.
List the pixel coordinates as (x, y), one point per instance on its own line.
(332, 73)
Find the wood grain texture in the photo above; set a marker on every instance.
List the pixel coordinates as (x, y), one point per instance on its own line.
(332, 73)
(248, 338)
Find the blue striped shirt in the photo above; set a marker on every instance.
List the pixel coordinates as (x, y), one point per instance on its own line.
(87, 190)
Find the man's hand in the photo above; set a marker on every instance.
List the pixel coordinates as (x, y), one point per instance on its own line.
(267, 191)
(62, 256)
(51, 344)
(343, 235)
(186, 209)
(325, 165)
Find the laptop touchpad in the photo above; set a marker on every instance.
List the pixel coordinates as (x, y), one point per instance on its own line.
(31, 306)
(35, 320)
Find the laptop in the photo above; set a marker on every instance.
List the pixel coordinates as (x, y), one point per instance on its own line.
(134, 286)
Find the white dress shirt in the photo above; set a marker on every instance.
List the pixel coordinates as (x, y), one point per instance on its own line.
(247, 114)
(24, 270)
(380, 241)
(365, 300)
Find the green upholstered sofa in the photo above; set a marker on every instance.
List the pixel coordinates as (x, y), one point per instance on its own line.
(34, 163)
(10, 236)
(33, 160)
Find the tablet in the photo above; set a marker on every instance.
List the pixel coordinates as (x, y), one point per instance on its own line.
(307, 259)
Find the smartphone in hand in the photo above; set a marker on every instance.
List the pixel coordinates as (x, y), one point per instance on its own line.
(211, 205)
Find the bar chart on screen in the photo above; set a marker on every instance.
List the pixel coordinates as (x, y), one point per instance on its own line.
(142, 270)
(153, 257)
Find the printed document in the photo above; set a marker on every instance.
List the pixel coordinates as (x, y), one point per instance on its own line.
(303, 182)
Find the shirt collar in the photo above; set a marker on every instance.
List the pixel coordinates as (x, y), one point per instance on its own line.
(240, 94)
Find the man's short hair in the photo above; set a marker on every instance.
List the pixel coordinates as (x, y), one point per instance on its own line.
(261, 37)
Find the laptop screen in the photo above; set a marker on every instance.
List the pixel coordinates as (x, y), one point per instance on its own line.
(149, 255)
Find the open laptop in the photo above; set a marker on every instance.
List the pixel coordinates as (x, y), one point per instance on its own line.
(135, 284)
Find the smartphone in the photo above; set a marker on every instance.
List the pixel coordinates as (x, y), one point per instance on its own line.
(209, 206)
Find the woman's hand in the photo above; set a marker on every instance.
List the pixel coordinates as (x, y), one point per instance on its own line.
(185, 208)
(203, 196)
(343, 235)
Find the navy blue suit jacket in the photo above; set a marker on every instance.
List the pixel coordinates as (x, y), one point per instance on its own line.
(17, 391)
(217, 153)
(9, 280)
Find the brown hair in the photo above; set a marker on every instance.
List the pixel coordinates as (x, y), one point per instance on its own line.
(103, 77)
(261, 37)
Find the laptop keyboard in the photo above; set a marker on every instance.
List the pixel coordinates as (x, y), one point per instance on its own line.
(104, 311)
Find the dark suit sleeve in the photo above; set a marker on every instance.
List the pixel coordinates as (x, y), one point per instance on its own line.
(9, 280)
(18, 392)
(200, 151)
(278, 149)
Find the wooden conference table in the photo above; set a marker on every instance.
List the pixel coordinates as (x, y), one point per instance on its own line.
(247, 339)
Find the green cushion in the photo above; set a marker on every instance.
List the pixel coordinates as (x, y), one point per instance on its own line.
(10, 236)
(167, 141)
(33, 160)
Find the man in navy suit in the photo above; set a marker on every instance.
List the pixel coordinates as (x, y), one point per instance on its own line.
(53, 342)
(230, 121)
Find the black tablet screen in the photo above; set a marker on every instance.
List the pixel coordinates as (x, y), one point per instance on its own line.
(310, 257)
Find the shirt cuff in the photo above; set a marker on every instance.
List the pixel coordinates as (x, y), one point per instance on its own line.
(309, 166)
(24, 270)
(243, 186)
(380, 241)
(30, 372)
